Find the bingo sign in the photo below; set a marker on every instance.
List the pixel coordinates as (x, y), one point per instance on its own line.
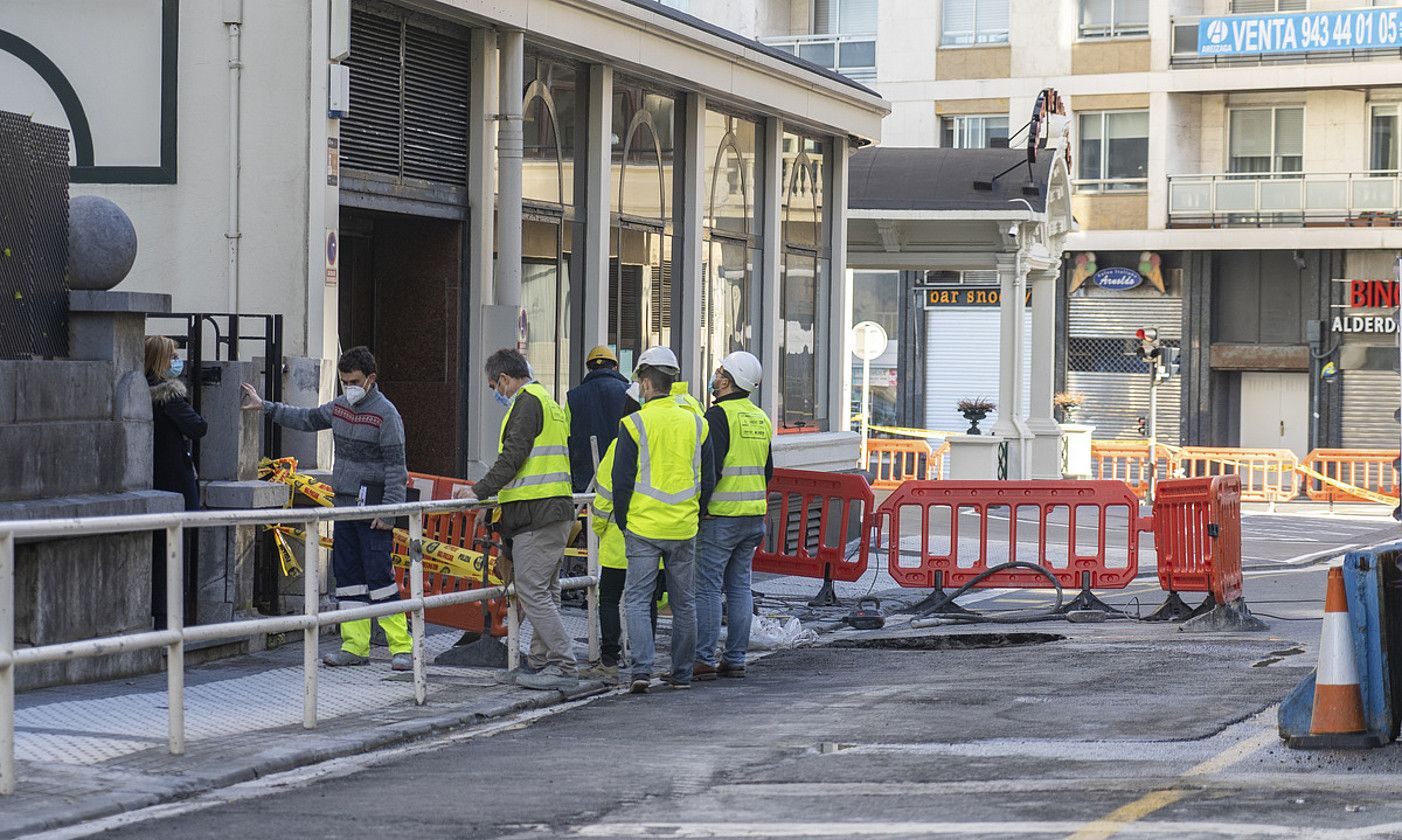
(1117, 279)
(1355, 29)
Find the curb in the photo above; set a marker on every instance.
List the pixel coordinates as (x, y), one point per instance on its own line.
(270, 762)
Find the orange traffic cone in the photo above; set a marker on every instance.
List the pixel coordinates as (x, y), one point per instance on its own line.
(1338, 700)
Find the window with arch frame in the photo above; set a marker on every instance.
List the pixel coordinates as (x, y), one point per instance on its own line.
(805, 263)
(730, 252)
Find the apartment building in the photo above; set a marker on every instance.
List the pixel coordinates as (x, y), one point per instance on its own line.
(1235, 167)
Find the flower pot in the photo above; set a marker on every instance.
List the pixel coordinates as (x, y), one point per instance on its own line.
(973, 416)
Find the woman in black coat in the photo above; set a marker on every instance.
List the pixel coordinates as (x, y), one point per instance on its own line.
(175, 423)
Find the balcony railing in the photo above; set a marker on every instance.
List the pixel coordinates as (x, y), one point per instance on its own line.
(1185, 51)
(1350, 199)
(854, 56)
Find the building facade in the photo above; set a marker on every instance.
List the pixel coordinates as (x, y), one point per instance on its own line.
(1237, 159)
(440, 178)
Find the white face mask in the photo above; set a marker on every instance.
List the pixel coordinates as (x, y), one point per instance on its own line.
(354, 394)
(635, 392)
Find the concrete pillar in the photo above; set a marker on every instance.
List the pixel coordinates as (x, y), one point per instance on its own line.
(839, 391)
(1012, 276)
(478, 430)
(686, 312)
(322, 336)
(598, 165)
(1045, 456)
(507, 278)
(770, 327)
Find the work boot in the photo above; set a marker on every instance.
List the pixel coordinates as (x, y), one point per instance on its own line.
(550, 679)
(344, 657)
(703, 672)
(607, 674)
(734, 672)
(640, 684)
(402, 662)
(675, 683)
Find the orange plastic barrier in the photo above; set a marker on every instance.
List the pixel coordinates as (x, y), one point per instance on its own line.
(1267, 475)
(1197, 536)
(1370, 469)
(465, 529)
(892, 462)
(812, 517)
(1127, 461)
(1005, 514)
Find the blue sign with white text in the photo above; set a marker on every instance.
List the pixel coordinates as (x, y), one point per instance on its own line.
(1354, 29)
(1117, 279)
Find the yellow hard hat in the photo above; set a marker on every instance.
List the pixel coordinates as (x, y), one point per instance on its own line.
(602, 353)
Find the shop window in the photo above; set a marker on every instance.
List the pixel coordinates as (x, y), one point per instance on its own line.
(640, 286)
(1266, 140)
(1114, 18)
(974, 131)
(730, 232)
(876, 296)
(803, 304)
(1113, 151)
(1384, 139)
(967, 22)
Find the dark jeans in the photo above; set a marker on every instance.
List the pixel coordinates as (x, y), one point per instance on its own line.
(610, 621)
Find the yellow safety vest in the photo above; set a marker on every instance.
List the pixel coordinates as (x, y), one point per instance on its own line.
(681, 392)
(611, 551)
(546, 473)
(666, 495)
(740, 486)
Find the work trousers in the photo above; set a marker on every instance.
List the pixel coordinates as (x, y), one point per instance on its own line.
(536, 556)
(360, 558)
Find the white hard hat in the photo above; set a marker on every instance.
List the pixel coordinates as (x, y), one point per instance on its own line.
(744, 369)
(661, 358)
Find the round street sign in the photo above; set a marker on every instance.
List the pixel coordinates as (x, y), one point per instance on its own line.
(868, 340)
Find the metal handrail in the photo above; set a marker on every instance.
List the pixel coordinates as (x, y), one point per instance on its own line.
(176, 635)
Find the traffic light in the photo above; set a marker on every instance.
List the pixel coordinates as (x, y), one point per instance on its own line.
(1170, 362)
(1149, 347)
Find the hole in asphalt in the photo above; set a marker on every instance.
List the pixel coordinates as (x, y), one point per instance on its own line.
(950, 641)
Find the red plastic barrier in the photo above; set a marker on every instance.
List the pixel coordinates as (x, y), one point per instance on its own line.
(812, 516)
(1197, 535)
(465, 529)
(1007, 513)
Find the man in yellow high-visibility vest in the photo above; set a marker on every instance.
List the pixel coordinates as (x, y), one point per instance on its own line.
(531, 480)
(662, 477)
(732, 525)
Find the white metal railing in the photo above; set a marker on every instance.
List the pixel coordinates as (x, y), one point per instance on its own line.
(854, 56)
(176, 635)
(1293, 198)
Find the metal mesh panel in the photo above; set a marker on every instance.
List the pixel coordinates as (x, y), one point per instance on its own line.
(1115, 384)
(33, 239)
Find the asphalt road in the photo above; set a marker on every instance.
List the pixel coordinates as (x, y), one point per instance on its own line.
(1117, 729)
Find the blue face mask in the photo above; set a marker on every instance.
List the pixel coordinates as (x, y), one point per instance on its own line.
(714, 384)
(177, 366)
(505, 401)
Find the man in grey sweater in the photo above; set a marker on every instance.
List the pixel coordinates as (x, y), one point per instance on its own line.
(369, 469)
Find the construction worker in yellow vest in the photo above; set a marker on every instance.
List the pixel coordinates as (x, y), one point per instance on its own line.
(662, 477)
(681, 392)
(732, 525)
(531, 480)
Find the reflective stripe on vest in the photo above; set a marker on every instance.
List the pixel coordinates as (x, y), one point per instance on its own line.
(740, 486)
(666, 494)
(546, 471)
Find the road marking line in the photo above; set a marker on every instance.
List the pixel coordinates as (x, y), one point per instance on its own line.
(1113, 822)
(1202, 828)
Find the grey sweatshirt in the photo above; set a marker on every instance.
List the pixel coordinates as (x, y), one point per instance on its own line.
(369, 440)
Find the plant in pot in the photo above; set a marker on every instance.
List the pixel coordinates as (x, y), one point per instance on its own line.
(975, 410)
(1069, 403)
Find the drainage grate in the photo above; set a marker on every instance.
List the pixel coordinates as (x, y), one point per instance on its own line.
(950, 641)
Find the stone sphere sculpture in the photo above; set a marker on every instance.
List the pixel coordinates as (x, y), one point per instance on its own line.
(101, 243)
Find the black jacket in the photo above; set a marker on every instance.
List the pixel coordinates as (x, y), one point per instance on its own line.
(596, 407)
(175, 425)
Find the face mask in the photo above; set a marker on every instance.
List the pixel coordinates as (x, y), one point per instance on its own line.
(177, 366)
(635, 392)
(503, 400)
(715, 383)
(354, 394)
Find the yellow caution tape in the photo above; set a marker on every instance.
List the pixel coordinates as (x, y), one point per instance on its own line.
(439, 558)
(920, 433)
(1360, 492)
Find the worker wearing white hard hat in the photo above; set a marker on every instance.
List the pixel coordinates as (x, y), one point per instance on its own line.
(662, 480)
(732, 524)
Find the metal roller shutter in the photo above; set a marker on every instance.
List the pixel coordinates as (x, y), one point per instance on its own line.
(1370, 398)
(1115, 399)
(961, 361)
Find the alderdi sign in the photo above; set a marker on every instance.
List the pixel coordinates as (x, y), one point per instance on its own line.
(1356, 29)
